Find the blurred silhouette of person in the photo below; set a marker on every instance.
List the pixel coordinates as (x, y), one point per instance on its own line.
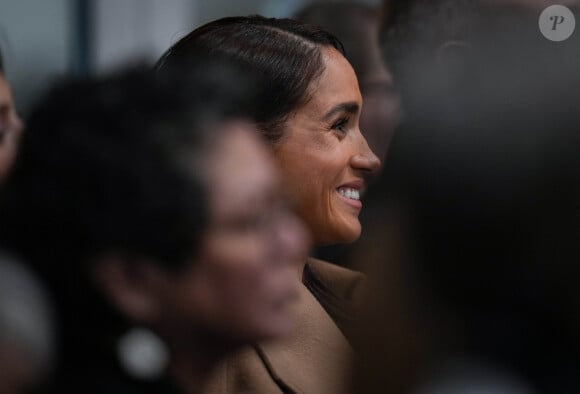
(10, 125)
(26, 330)
(309, 107)
(421, 30)
(155, 215)
(475, 284)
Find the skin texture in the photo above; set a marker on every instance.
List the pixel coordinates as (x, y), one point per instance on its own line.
(10, 128)
(240, 286)
(323, 149)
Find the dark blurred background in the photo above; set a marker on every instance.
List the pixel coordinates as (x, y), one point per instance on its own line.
(41, 40)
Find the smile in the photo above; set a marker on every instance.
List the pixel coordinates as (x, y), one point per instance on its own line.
(350, 193)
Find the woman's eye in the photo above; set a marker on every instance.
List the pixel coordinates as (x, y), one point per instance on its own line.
(340, 125)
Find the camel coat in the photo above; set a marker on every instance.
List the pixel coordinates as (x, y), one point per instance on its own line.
(315, 359)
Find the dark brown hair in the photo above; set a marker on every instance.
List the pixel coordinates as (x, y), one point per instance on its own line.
(283, 54)
(113, 175)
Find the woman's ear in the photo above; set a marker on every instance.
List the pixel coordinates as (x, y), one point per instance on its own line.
(133, 286)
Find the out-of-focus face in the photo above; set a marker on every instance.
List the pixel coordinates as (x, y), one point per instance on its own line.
(242, 283)
(381, 111)
(324, 158)
(10, 128)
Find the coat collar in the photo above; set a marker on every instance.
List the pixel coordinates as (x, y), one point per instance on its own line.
(314, 359)
(316, 356)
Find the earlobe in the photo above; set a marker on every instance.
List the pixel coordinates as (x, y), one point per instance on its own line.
(131, 287)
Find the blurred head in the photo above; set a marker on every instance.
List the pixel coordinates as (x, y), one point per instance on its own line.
(415, 31)
(133, 198)
(308, 110)
(10, 126)
(482, 194)
(243, 276)
(357, 27)
(422, 29)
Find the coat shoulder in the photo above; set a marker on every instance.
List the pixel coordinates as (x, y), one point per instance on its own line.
(343, 282)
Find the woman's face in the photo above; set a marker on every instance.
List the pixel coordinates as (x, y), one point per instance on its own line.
(323, 156)
(240, 286)
(382, 109)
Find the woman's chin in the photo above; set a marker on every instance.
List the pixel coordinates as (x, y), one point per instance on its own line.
(350, 238)
(344, 234)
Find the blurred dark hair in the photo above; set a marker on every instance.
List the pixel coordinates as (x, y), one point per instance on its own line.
(283, 54)
(107, 159)
(112, 165)
(414, 31)
(352, 24)
(414, 28)
(1, 63)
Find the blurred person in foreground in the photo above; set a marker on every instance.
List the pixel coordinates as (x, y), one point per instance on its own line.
(26, 330)
(10, 125)
(357, 27)
(308, 113)
(155, 217)
(475, 280)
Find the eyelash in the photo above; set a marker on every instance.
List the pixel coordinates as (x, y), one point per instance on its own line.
(339, 125)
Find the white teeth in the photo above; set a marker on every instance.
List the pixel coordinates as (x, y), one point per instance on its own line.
(349, 193)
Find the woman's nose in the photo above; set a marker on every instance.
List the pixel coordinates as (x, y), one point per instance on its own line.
(365, 159)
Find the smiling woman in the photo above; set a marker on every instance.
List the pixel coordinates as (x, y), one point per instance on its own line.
(324, 153)
(308, 112)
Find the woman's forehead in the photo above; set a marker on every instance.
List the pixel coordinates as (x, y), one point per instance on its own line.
(337, 83)
(241, 167)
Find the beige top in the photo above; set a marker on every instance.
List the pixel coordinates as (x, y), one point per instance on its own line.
(315, 359)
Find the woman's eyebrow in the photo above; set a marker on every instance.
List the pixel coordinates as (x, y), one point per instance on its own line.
(350, 107)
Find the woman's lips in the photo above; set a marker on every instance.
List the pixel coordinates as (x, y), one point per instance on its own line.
(351, 192)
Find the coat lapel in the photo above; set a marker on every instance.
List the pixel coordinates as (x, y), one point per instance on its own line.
(315, 358)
